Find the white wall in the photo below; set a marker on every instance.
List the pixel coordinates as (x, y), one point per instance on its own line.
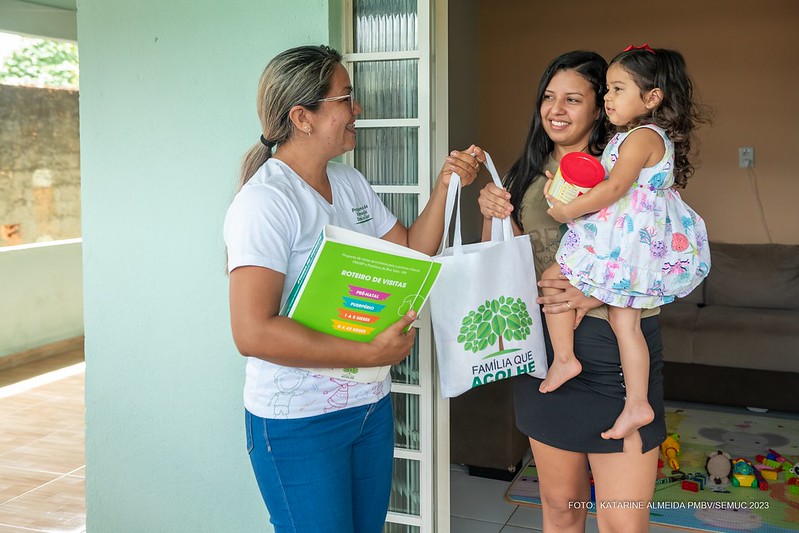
(41, 295)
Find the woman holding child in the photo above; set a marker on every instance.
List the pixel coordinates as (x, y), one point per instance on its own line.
(565, 425)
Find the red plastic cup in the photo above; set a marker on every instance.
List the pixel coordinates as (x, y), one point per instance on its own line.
(577, 174)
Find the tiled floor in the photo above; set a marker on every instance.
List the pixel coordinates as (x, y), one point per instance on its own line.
(41, 447)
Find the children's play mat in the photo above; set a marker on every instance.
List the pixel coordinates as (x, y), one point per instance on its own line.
(741, 434)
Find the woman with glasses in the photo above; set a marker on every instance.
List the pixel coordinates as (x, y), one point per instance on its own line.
(321, 448)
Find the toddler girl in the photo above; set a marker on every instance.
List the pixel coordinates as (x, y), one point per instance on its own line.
(641, 246)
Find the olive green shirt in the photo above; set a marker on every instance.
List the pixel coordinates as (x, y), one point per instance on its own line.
(545, 232)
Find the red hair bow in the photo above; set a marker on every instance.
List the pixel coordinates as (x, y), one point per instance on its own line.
(642, 47)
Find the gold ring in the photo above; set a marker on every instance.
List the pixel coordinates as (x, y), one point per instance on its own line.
(568, 305)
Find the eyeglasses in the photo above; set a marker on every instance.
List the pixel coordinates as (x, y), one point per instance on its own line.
(340, 98)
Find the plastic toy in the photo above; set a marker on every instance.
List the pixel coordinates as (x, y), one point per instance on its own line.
(675, 476)
(784, 464)
(694, 482)
(767, 473)
(776, 456)
(773, 463)
(743, 473)
(762, 484)
(670, 448)
(699, 478)
(779, 463)
(719, 469)
(690, 485)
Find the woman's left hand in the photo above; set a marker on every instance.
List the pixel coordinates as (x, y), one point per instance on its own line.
(570, 299)
(465, 163)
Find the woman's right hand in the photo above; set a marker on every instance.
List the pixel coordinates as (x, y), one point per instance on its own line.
(494, 202)
(392, 345)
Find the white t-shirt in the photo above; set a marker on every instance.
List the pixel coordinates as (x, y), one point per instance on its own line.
(273, 222)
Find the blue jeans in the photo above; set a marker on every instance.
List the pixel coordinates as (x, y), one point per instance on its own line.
(329, 473)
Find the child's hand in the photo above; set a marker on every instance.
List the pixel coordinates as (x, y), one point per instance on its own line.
(548, 183)
(558, 210)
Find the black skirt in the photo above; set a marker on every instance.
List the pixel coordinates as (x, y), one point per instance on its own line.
(573, 416)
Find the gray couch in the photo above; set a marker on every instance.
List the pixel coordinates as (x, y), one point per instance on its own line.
(735, 339)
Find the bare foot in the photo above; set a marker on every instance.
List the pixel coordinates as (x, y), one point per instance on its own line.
(561, 371)
(633, 416)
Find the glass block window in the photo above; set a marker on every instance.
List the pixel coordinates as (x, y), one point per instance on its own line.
(388, 156)
(387, 89)
(406, 420)
(385, 25)
(405, 487)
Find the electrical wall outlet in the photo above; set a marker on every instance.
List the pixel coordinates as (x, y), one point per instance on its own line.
(746, 157)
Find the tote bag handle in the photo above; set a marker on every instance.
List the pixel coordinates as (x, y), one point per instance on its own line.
(501, 229)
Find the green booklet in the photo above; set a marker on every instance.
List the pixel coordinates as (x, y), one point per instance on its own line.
(354, 286)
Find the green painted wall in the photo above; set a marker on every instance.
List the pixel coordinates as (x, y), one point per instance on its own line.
(41, 295)
(167, 110)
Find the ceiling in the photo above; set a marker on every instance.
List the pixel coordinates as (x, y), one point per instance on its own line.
(55, 19)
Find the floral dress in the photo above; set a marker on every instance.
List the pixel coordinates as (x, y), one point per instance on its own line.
(644, 250)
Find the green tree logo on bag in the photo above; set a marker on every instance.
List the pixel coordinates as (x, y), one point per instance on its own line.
(505, 319)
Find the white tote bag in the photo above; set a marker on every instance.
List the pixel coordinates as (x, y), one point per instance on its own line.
(486, 322)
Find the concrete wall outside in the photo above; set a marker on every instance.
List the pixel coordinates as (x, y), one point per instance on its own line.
(39, 165)
(41, 300)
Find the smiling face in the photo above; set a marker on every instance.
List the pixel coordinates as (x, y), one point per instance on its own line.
(333, 126)
(568, 111)
(624, 102)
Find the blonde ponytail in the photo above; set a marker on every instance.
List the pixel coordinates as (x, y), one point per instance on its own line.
(298, 76)
(253, 160)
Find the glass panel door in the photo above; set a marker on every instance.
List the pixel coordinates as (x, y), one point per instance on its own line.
(388, 54)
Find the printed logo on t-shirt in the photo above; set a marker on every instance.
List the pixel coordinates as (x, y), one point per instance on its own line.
(362, 214)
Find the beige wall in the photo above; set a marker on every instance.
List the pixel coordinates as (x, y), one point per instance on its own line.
(743, 56)
(464, 98)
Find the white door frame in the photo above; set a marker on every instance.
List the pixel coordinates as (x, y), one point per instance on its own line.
(440, 140)
(432, 122)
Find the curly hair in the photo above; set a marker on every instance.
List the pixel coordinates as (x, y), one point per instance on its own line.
(679, 113)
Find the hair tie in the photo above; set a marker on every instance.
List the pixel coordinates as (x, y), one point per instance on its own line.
(642, 47)
(268, 144)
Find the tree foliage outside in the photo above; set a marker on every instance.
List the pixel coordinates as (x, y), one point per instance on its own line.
(42, 63)
(506, 318)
